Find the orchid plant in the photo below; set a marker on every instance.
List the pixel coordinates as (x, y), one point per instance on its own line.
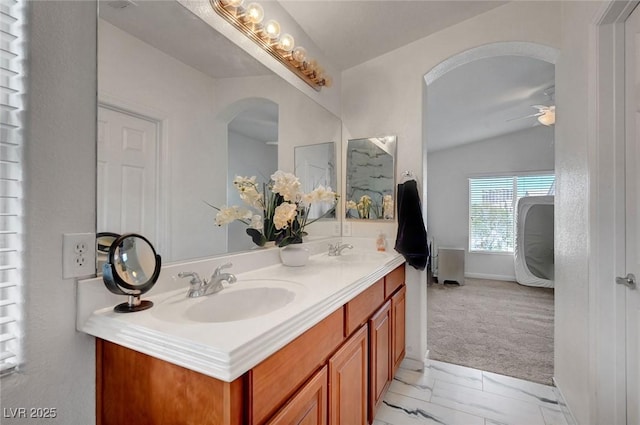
(366, 207)
(284, 208)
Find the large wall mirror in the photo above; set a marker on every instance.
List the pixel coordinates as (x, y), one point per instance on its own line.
(370, 178)
(181, 112)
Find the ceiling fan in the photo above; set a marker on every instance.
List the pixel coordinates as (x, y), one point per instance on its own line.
(546, 114)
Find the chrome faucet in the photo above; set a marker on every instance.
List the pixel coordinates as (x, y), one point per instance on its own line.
(199, 287)
(336, 250)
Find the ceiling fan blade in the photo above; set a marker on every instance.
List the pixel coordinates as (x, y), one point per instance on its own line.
(540, 107)
(526, 116)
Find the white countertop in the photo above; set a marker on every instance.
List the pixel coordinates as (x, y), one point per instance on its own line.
(227, 350)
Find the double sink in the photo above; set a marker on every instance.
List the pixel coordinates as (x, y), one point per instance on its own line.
(247, 298)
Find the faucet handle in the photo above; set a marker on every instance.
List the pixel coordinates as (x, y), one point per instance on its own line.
(219, 268)
(333, 249)
(195, 277)
(195, 282)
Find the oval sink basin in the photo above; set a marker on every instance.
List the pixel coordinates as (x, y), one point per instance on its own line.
(245, 299)
(361, 256)
(239, 304)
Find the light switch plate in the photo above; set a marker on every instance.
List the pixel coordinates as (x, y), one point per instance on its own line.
(336, 229)
(346, 228)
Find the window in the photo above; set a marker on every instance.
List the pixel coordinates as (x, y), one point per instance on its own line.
(12, 57)
(492, 208)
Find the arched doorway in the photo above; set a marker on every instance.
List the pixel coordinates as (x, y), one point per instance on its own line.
(477, 154)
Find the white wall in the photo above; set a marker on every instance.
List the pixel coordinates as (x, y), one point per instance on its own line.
(572, 235)
(139, 77)
(448, 189)
(60, 190)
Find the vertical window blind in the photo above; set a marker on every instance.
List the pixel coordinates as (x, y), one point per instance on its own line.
(12, 89)
(492, 208)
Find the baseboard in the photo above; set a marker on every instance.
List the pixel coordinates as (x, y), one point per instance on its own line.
(412, 364)
(490, 276)
(562, 403)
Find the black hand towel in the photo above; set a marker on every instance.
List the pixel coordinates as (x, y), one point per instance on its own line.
(411, 240)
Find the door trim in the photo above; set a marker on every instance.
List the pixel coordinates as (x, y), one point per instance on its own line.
(163, 178)
(607, 389)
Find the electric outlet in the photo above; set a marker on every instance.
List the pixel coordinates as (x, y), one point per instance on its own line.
(346, 228)
(78, 254)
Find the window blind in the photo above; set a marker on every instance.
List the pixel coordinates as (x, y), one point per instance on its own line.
(12, 58)
(492, 208)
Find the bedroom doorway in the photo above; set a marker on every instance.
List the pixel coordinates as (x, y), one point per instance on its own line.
(489, 141)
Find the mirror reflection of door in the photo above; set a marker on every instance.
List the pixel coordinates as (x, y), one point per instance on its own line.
(127, 173)
(315, 165)
(253, 151)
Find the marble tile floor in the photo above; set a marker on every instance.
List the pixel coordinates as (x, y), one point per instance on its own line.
(448, 394)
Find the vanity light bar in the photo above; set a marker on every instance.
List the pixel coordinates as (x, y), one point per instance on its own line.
(248, 20)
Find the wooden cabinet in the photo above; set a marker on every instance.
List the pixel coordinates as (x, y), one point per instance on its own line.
(318, 378)
(379, 356)
(398, 327)
(134, 388)
(308, 406)
(274, 381)
(348, 369)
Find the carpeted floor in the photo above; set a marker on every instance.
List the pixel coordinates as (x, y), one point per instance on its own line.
(497, 326)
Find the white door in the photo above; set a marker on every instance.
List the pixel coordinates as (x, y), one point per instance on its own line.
(632, 222)
(127, 174)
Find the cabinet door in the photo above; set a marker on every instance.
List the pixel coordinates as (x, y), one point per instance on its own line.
(276, 379)
(379, 356)
(398, 311)
(308, 406)
(348, 381)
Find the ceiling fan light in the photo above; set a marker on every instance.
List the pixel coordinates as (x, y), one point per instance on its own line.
(547, 118)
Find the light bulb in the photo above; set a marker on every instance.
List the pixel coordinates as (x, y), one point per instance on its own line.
(312, 65)
(272, 29)
(548, 118)
(254, 13)
(286, 42)
(299, 54)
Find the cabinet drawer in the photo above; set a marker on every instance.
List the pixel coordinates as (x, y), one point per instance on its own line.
(359, 309)
(393, 281)
(276, 379)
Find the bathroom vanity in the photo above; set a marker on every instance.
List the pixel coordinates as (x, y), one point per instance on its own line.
(326, 358)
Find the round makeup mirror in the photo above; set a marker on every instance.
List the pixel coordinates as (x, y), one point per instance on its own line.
(132, 269)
